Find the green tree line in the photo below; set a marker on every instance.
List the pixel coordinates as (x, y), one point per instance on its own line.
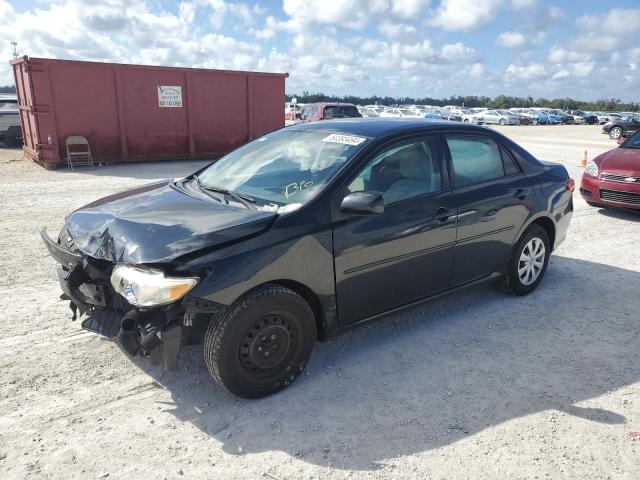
(501, 101)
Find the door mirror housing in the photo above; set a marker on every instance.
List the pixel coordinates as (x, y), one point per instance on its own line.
(621, 140)
(363, 203)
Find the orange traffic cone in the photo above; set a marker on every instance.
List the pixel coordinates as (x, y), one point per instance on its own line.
(583, 162)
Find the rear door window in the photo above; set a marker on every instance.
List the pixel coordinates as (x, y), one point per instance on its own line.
(474, 159)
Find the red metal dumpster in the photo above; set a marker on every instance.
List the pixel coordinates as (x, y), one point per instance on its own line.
(137, 112)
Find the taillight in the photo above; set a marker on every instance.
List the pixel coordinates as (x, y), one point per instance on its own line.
(571, 184)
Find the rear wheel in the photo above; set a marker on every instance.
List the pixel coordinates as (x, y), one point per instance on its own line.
(262, 343)
(615, 133)
(502, 121)
(528, 262)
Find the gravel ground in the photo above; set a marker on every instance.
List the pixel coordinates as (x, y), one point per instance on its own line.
(481, 385)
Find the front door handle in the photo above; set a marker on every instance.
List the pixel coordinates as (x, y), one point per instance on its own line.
(443, 214)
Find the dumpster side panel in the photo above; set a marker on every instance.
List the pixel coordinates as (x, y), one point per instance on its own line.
(219, 112)
(84, 100)
(267, 103)
(154, 131)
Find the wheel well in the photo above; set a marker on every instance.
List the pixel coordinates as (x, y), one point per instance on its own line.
(549, 227)
(310, 297)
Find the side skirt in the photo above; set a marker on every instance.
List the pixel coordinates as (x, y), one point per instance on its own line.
(407, 306)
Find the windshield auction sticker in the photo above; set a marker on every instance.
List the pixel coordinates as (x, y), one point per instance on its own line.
(344, 139)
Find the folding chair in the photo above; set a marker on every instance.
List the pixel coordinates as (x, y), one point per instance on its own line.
(80, 153)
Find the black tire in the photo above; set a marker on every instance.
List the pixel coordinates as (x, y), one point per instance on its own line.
(615, 133)
(271, 320)
(510, 282)
(502, 122)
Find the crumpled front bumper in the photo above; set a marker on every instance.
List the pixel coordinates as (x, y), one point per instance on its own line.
(157, 333)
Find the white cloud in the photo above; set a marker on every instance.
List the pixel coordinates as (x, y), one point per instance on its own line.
(457, 51)
(527, 72)
(408, 9)
(393, 29)
(560, 74)
(477, 71)
(511, 39)
(454, 15)
(344, 13)
(583, 69)
(617, 22)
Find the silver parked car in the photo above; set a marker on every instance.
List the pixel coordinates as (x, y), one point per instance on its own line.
(494, 117)
(10, 129)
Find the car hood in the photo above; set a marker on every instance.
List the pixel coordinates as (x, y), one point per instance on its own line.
(623, 161)
(157, 223)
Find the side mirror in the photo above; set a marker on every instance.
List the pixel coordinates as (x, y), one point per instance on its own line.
(363, 203)
(621, 140)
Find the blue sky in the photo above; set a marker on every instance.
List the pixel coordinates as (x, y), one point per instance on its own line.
(585, 49)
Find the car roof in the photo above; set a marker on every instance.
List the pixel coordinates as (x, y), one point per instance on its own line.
(378, 127)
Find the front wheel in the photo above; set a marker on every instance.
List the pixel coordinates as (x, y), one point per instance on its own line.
(528, 262)
(262, 343)
(502, 122)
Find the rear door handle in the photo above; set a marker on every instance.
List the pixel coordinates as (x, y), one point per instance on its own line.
(521, 193)
(443, 214)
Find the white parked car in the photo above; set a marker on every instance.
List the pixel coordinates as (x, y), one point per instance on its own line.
(494, 117)
(400, 113)
(469, 116)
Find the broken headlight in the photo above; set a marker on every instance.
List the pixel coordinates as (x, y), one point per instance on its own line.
(145, 287)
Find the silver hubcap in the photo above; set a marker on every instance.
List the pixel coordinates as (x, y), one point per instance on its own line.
(531, 261)
(615, 133)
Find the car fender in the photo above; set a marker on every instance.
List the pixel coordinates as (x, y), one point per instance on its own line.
(240, 268)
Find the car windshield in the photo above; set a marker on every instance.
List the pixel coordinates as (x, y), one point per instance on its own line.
(632, 142)
(283, 167)
(343, 111)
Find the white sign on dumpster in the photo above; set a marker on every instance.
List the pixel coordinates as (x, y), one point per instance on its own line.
(169, 96)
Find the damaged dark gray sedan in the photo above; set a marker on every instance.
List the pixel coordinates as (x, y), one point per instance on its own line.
(306, 232)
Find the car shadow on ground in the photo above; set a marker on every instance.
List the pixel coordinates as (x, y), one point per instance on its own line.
(620, 213)
(434, 375)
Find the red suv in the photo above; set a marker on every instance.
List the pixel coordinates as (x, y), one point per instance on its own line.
(327, 111)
